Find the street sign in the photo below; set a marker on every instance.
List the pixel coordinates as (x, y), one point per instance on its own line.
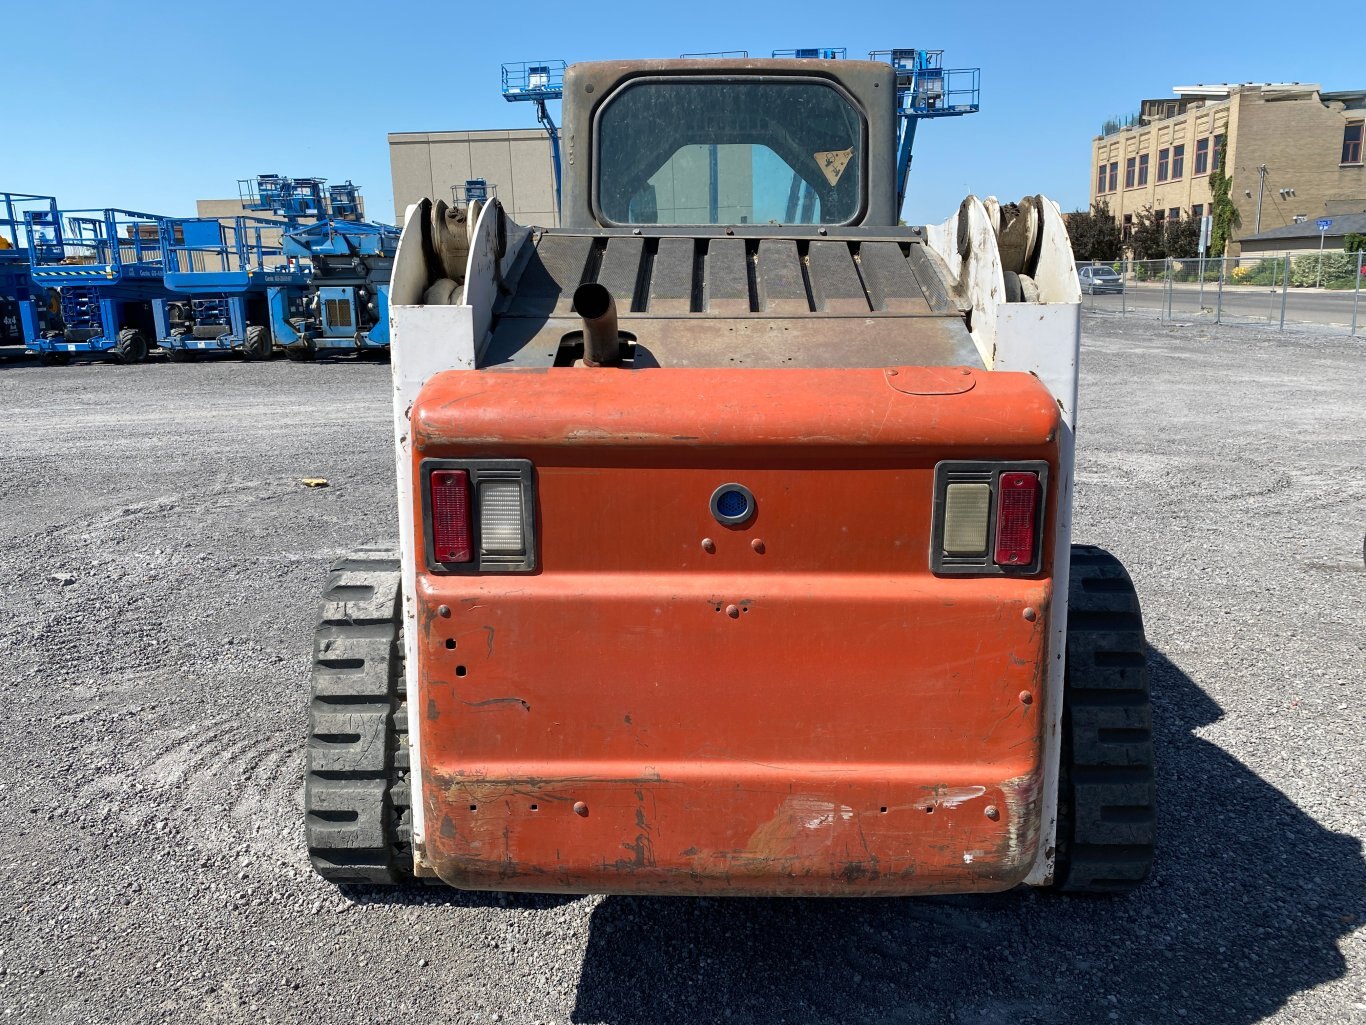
(1324, 223)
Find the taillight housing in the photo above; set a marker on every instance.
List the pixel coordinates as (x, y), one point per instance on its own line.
(988, 518)
(478, 515)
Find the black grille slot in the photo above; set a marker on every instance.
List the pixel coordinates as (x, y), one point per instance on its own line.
(620, 272)
(671, 278)
(726, 282)
(930, 285)
(781, 281)
(835, 283)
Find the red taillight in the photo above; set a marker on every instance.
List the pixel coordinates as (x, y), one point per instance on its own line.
(451, 535)
(1017, 514)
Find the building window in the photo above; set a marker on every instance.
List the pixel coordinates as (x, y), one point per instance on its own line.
(1142, 170)
(1218, 149)
(1162, 156)
(1128, 227)
(1178, 161)
(1160, 216)
(1130, 170)
(1197, 211)
(1174, 214)
(1100, 179)
(1202, 156)
(1351, 143)
(1114, 175)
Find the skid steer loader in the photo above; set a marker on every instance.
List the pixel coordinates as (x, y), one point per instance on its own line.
(735, 545)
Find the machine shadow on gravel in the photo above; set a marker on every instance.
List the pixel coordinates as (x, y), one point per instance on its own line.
(1248, 902)
(446, 896)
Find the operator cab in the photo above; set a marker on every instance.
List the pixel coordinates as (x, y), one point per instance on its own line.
(747, 144)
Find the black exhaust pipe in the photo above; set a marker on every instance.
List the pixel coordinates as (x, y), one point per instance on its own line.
(601, 344)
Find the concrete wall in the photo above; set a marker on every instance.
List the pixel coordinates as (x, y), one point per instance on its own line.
(683, 186)
(517, 161)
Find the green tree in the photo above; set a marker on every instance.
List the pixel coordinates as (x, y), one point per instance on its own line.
(1354, 243)
(1182, 239)
(1223, 214)
(1094, 233)
(1148, 239)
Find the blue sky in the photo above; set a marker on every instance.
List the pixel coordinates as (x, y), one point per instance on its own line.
(152, 105)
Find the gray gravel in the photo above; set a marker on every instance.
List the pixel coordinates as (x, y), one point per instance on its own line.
(159, 567)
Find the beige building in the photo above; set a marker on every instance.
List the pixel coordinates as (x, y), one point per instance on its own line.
(1294, 153)
(516, 162)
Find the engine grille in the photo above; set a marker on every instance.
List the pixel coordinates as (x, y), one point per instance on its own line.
(337, 312)
(779, 277)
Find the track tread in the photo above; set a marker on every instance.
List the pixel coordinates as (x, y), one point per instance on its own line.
(357, 798)
(1107, 804)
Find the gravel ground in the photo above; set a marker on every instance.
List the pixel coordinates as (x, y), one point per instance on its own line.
(160, 564)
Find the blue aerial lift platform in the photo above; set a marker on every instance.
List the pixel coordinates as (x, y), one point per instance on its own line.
(230, 277)
(16, 282)
(926, 89)
(539, 82)
(108, 267)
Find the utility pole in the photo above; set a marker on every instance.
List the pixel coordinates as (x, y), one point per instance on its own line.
(1261, 187)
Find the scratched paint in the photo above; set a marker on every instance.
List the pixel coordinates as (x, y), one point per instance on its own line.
(621, 735)
(952, 797)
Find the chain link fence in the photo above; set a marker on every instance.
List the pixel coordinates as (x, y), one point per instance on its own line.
(1320, 291)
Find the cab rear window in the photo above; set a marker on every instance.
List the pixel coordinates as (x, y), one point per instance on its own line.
(729, 151)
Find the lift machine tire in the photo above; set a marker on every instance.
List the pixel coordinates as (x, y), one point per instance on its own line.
(131, 346)
(257, 344)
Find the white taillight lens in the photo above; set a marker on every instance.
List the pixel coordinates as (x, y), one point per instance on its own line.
(501, 530)
(967, 509)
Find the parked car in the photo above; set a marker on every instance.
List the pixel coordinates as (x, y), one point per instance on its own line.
(1099, 279)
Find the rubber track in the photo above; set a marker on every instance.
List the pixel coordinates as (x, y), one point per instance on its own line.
(1107, 804)
(357, 798)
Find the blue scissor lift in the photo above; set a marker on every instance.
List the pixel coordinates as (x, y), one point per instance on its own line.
(342, 300)
(348, 302)
(108, 267)
(228, 276)
(16, 282)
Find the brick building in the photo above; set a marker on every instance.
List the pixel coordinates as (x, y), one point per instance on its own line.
(1294, 152)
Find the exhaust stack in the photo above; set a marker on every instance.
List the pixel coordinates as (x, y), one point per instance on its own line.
(601, 343)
